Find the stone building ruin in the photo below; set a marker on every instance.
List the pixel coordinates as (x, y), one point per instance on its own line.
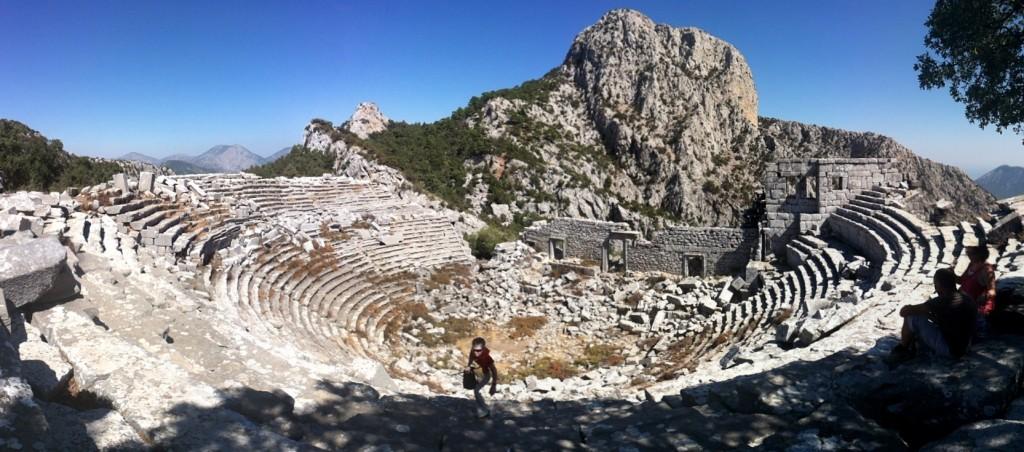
(800, 195)
(685, 251)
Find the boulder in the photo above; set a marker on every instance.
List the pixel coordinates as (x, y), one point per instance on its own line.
(29, 268)
(160, 400)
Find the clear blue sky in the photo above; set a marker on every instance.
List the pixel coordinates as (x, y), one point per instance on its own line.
(109, 78)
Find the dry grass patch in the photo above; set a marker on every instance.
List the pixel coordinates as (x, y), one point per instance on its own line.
(525, 326)
(455, 329)
(450, 274)
(633, 300)
(546, 367)
(598, 355)
(403, 276)
(332, 235)
(781, 316)
(366, 222)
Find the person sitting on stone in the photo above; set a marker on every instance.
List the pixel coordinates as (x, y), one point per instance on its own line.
(979, 284)
(481, 357)
(942, 326)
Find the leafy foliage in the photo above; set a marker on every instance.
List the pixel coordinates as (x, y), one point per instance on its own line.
(531, 91)
(431, 155)
(29, 161)
(482, 242)
(978, 50)
(300, 162)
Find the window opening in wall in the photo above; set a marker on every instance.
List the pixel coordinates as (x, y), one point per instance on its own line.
(810, 187)
(557, 248)
(791, 185)
(693, 265)
(837, 183)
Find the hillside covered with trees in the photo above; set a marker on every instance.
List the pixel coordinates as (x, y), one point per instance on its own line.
(30, 161)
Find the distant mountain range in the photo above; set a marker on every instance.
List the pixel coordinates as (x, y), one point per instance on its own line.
(1004, 181)
(218, 159)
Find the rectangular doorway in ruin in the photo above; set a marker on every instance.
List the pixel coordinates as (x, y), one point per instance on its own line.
(693, 265)
(556, 248)
(615, 255)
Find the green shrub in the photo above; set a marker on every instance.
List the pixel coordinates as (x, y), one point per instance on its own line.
(482, 242)
(300, 162)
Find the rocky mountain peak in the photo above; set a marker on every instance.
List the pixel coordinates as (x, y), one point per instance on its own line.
(366, 120)
(632, 62)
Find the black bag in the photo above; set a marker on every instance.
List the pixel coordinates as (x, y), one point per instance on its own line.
(468, 379)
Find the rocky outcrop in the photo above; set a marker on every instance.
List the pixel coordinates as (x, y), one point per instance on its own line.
(366, 120)
(672, 106)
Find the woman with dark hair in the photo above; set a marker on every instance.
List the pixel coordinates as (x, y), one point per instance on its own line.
(978, 283)
(481, 357)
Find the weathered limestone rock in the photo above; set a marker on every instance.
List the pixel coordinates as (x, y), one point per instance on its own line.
(121, 183)
(158, 399)
(146, 181)
(366, 120)
(12, 223)
(22, 425)
(28, 269)
(90, 430)
(42, 366)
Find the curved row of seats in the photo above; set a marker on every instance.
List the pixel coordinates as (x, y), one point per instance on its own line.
(273, 196)
(817, 267)
(897, 244)
(168, 225)
(346, 294)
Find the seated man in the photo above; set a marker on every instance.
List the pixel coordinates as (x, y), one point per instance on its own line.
(942, 326)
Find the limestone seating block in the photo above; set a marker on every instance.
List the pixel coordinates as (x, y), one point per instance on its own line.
(151, 219)
(167, 238)
(145, 209)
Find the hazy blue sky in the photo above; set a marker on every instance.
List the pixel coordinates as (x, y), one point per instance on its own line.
(109, 78)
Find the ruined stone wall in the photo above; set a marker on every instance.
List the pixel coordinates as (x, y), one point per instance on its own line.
(801, 193)
(584, 238)
(721, 250)
(724, 251)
